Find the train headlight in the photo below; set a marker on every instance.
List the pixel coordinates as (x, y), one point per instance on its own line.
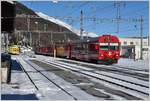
(102, 55)
(109, 53)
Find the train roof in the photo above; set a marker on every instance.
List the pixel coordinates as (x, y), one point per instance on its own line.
(87, 40)
(95, 39)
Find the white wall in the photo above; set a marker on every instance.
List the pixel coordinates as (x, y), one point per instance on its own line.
(137, 43)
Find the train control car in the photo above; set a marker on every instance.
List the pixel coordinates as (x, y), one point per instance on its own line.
(103, 49)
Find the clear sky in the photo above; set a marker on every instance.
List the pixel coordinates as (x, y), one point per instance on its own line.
(69, 12)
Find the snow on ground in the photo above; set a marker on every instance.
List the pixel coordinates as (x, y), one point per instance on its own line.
(127, 78)
(140, 88)
(130, 63)
(27, 89)
(75, 91)
(21, 87)
(48, 89)
(122, 89)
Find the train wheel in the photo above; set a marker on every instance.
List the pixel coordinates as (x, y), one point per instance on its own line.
(99, 62)
(93, 61)
(73, 58)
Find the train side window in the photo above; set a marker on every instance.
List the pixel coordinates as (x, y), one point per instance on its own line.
(131, 43)
(84, 46)
(78, 47)
(114, 47)
(125, 42)
(145, 43)
(92, 47)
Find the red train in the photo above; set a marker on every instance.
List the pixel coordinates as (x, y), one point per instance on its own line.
(103, 49)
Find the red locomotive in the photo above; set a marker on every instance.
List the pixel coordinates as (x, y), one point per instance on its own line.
(103, 49)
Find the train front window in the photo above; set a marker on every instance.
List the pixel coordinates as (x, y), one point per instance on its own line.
(113, 47)
(109, 47)
(103, 47)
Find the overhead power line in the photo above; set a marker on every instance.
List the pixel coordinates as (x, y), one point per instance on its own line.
(99, 10)
(78, 8)
(129, 30)
(134, 12)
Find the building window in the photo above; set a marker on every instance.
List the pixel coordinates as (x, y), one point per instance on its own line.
(125, 43)
(145, 43)
(144, 49)
(131, 43)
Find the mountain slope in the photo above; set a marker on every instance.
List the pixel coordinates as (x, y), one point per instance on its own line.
(61, 23)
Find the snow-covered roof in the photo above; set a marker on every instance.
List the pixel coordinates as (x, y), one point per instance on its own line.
(63, 24)
(9, 1)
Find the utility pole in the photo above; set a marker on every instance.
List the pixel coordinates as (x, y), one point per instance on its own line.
(118, 15)
(148, 40)
(51, 37)
(39, 38)
(141, 35)
(94, 18)
(81, 24)
(28, 21)
(37, 31)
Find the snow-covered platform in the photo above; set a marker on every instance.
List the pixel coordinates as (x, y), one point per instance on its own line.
(20, 87)
(135, 64)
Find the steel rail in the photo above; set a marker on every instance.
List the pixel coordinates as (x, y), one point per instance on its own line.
(58, 65)
(50, 80)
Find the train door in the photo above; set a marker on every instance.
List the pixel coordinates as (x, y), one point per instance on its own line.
(68, 52)
(93, 51)
(84, 51)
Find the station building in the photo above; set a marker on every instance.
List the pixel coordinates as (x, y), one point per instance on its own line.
(131, 47)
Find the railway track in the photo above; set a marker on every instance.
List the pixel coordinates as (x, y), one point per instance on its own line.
(112, 66)
(138, 88)
(140, 70)
(142, 83)
(136, 73)
(34, 82)
(28, 76)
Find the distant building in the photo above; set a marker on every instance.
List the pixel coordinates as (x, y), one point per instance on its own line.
(7, 23)
(130, 47)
